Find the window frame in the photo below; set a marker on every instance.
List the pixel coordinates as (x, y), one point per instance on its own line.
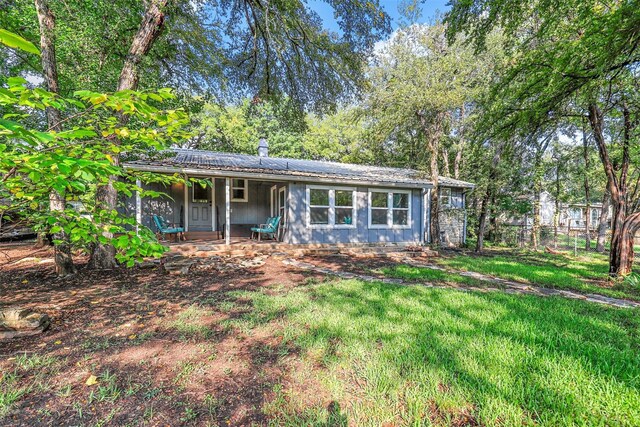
(446, 204)
(209, 192)
(390, 192)
(245, 188)
(282, 209)
(332, 206)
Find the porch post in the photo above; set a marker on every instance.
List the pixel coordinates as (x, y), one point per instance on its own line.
(424, 215)
(138, 206)
(213, 204)
(186, 204)
(427, 223)
(227, 211)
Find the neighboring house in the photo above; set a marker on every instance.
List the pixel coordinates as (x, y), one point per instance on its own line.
(572, 215)
(319, 202)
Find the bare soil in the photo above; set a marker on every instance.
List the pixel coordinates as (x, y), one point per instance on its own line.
(124, 327)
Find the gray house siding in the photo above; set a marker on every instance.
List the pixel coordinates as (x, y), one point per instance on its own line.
(254, 211)
(302, 233)
(170, 207)
(296, 229)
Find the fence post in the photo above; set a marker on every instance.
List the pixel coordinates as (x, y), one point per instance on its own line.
(575, 245)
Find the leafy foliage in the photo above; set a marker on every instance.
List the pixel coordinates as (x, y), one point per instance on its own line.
(74, 162)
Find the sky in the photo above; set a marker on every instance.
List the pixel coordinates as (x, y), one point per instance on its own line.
(429, 10)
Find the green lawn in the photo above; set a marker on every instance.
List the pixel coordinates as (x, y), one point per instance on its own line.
(426, 356)
(585, 273)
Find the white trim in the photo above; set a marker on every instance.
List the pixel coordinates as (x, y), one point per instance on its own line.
(227, 211)
(245, 189)
(213, 204)
(186, 203)
(390, 208)
(283, 190)
(332, 207)
(448, 203)
(138, 206)
(428, 225)
(425, 226)
(272, 193)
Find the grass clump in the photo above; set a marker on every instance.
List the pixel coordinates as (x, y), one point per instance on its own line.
(191, 325)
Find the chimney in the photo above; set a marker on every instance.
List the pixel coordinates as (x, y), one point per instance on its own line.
(263, 147)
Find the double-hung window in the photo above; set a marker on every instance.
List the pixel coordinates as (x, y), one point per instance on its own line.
(331, 206)
(389, 209)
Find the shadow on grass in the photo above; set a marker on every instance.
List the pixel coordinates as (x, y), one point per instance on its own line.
(405, 354)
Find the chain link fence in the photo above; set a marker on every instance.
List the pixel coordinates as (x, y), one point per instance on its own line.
(568, 240)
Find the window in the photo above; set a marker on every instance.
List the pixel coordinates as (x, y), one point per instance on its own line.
(389, 208)
(331, 207)
(200, 193)
(239, 190)
(595, 216)
(445, 197)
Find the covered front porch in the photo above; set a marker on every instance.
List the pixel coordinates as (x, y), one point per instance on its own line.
(222, 212)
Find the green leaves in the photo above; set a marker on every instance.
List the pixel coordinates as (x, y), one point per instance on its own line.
(15, 41)
(77, 160)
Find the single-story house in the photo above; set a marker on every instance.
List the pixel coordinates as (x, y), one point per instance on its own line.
(319, 201)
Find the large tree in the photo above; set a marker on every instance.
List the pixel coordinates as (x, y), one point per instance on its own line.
(422, 90)
(227, 48)
(571, 57)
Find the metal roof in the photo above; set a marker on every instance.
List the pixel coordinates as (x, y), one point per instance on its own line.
(180, 160)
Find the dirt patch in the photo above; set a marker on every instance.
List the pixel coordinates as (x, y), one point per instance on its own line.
(162, 347)
(364, 266)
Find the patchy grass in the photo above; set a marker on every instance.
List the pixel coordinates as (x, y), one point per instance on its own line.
(392, 355)
(585, 273)
(276, 346)
(411, 273)
(190, 323)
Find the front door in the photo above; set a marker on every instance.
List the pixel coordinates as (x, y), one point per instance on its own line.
(200, 208)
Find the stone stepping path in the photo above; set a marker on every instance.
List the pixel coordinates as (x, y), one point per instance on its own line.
(502, 284)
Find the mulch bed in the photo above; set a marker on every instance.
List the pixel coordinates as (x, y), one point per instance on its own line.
(118, 321)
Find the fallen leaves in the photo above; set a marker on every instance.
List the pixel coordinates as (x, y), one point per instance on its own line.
(92, 380)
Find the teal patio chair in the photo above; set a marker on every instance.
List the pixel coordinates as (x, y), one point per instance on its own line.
(164, 228)
(270, 228)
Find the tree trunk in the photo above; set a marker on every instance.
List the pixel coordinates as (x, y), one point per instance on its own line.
(587, 191)
(624, 256)
(621, 254)
(556, 210)
(457, 161)
(602, 224)
(535, 228)
(103, 256)
(433, 132)
(482, 222)
(485, 207)
(445, 161)
(63, 258)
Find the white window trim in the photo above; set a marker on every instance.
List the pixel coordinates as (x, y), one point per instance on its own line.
(245, 188)
(448, 202)
(332, 206)
(283, 208)
(273, 193)
(390, 224)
